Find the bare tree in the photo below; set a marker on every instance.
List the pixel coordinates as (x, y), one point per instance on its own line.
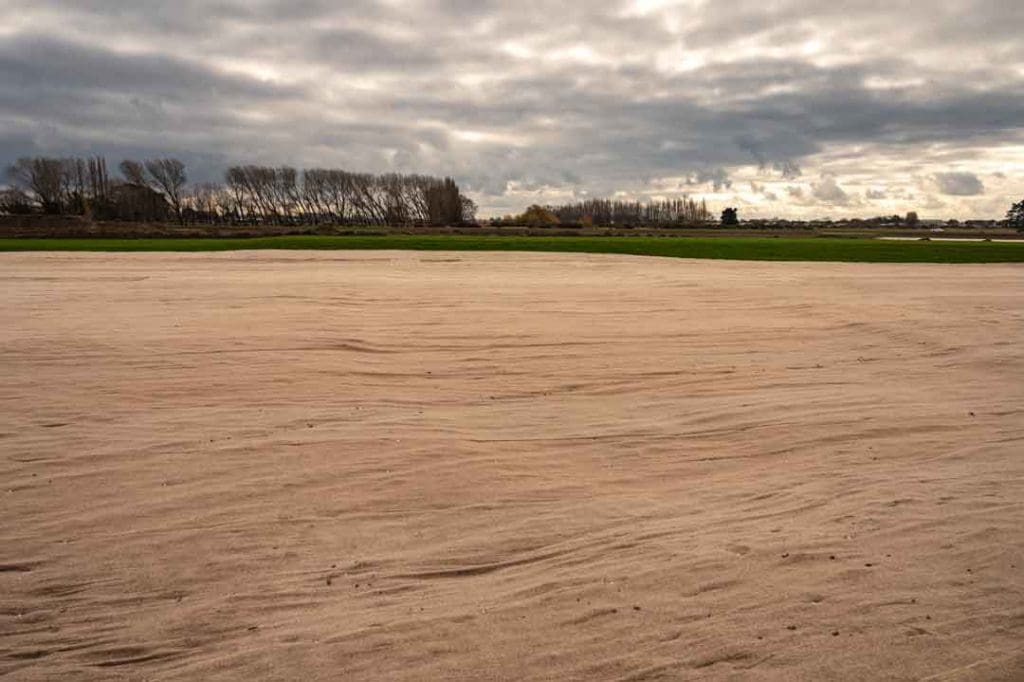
(169, 177)
(43, 178)
(670, 212)
(316, 195)
(203, 203)
(14, 201)
(156, 187)
(134, 172)
(469, 209)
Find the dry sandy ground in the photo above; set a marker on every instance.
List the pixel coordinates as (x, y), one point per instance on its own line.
(416, 466)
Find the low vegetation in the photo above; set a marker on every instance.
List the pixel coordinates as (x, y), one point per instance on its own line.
(734, 248)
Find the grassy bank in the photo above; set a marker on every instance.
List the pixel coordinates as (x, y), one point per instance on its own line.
(734, 248)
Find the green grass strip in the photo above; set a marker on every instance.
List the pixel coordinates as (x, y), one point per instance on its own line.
(733, 248)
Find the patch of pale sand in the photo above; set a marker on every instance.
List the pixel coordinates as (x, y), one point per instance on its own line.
(417, 466)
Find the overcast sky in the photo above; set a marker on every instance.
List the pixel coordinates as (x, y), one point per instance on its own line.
(798, 108)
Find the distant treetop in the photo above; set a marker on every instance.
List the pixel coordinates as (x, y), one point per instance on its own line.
(1015, 216)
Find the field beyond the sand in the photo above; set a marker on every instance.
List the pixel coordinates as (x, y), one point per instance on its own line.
(773, 248)
(503, 466)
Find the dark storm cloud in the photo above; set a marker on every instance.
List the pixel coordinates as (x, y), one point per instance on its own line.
(38, 62)
(537, 97)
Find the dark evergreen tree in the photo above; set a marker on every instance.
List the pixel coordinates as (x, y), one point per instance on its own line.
(1015, 216)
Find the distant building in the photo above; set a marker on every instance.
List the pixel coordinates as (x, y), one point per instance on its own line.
(138, 203)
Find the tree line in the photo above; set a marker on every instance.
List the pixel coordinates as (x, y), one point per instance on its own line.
(285, 194)
(607, 212)
(157, 190)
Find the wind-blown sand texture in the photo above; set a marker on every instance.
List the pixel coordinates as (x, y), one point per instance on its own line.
(424, 466)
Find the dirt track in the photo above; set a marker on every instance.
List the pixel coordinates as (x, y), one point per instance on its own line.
(418, 466)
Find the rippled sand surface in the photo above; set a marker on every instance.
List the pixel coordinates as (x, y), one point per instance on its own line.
(427, 466)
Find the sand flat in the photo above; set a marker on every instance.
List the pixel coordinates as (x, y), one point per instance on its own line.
(413, 466)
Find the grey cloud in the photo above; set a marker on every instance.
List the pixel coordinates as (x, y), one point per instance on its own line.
(829, 192)
(717, 178)
(40, 62)
(959, 184)
(788, 170)
(362, 51)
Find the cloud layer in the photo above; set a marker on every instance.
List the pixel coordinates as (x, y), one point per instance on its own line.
(783, 107)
